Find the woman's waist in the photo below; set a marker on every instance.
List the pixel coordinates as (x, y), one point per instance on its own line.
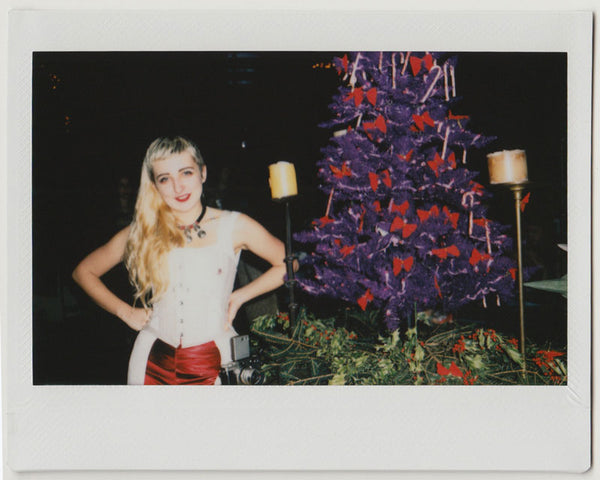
(188, 335)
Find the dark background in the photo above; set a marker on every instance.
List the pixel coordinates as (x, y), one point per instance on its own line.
(94, 114)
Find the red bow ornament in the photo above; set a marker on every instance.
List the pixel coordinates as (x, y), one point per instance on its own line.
(372, 96)
(416, 62)
(357, 94)
(477, 256)
(402, 208)
(385, 178)
(444, 252)
(400, 224)
(379, 124)
(452, 160)
(324, 221)
(345, 63)
(425, 214)
(365, 299)
(476, 187)
(436, 163)
(453, 217)
(347, 250)
(400, 264)
(422, 120)
(456, 117)
(407, 156)
(524, 202)
(340, 173)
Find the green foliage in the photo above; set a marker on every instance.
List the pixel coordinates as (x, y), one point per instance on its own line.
(350, 350)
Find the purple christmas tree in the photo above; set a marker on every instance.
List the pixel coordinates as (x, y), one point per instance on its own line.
(405, 228)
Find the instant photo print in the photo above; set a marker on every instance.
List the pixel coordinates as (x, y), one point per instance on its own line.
(443, 318)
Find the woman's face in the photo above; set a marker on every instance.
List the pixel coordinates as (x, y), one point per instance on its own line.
(179, 182)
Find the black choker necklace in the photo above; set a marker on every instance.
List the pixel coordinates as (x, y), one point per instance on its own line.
(187, 229)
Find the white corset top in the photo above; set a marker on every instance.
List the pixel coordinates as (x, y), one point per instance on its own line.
(193, 310)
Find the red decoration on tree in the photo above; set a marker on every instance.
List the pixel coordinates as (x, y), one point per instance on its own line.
(407, 156)
(477, 256)
(476, 187)
(365, 299)
(399, 264)
(379, 123)
(340, 173)
(345, 63)
(457, 117)
(324, 221)
(372, 96)
(444, 252)
(436, 163)
(524, 202)
(416, 62)
(425, 214)
(402, 208)
(357, 94)
(428, 61)
(453, 217)
(421, 120)
(437, 286)
(386, 179)
(374, 179)
(452, 160)
(399, 224)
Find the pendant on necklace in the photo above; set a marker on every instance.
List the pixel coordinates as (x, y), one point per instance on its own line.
(199, 231)
(187, 229)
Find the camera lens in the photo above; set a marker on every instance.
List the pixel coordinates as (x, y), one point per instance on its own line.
(251, 376)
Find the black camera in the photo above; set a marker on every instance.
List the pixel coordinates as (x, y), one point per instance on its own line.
(244, 369)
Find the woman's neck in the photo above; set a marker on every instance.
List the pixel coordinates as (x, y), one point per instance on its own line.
(189, 217)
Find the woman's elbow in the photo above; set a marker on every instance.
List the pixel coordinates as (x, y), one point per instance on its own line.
(77, 274)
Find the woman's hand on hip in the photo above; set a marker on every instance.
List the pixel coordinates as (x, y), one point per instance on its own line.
(136, 318)
(235, 302)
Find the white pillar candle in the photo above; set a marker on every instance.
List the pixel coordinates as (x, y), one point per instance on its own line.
(282, 180)
(507, 166)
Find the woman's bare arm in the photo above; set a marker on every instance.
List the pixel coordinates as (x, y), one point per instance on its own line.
(251, 235)
(87, 274)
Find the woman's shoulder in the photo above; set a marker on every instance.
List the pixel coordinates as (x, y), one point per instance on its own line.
(219, 214)
(213, 213)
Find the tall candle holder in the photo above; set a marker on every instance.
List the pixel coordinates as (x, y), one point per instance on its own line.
(508, 168)
(282, 180)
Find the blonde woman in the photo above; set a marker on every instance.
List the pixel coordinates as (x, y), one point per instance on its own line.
(182, 258)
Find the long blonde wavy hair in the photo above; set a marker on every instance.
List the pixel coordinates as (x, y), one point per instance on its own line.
(154, 229)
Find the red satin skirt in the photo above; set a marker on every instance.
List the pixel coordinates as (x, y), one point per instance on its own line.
(197, 365)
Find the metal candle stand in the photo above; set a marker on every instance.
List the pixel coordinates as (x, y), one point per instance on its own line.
(289, 261)
(508, 168)
(517, 190)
